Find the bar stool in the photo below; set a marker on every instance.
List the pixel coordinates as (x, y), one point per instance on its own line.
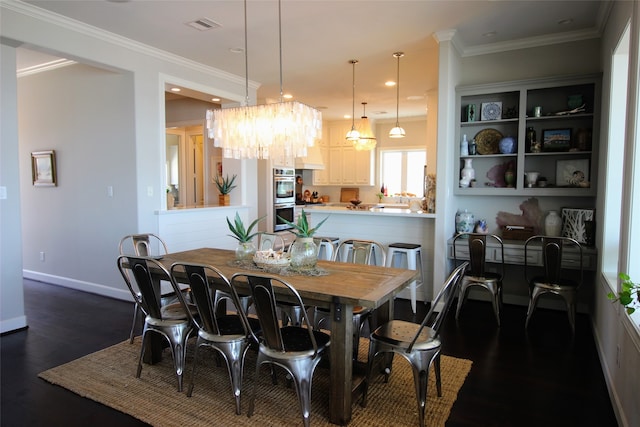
(413, 254)
(326, 246)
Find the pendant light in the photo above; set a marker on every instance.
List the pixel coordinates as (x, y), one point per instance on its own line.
(353, 134)
(397, 131)
(367, 140)
(281, 129)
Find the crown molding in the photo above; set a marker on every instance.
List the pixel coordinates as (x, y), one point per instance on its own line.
(117, 40)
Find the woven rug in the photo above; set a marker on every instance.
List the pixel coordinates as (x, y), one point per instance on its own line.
(108, 377)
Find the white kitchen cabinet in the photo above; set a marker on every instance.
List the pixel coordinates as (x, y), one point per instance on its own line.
(344, 165)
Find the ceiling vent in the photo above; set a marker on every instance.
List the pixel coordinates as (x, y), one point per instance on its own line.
(204, 24)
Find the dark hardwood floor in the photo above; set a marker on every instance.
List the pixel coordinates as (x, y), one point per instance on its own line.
(544, 377)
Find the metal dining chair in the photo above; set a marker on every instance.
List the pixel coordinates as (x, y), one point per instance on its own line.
(169, 321)
(357, 252)
(151, 245)
(554, 279)
(478, 274)
(420, 343)
(296, 349)
(228, 334)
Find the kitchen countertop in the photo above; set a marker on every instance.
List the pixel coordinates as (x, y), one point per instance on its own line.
(373, 210)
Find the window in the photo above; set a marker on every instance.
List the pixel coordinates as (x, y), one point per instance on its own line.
(403, 170)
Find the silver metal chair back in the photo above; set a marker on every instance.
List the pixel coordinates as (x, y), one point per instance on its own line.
(142, 276)
(145, 244)
(297, 349)
(273, 241)
(555, 279)
(477, 274)
(418, 344)
(229, 334)
(359, 251)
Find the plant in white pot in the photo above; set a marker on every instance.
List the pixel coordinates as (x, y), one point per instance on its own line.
(246, 249)
(303, 252)
(629, 296)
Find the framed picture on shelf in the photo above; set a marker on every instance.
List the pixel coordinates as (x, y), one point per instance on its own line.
(43, 168)
(578, 224)
(491, 111)
(556, 139)
(572, 173)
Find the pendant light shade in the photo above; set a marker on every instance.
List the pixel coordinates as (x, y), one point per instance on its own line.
(353, 134)
(282, 129)
(397, 131)
(367, 140)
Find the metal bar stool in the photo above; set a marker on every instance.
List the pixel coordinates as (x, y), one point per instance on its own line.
(326, 246)
(413, 254)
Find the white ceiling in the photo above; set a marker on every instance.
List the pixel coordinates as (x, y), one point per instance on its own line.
(319, 37)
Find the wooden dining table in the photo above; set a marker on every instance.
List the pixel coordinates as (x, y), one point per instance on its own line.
(340, 287)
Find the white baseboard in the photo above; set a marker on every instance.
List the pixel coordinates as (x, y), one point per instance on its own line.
(94, 288)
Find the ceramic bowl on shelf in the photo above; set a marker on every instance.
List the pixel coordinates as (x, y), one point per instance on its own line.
(355, 202)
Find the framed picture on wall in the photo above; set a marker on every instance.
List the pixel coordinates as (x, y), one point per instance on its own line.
(43, 168)
(572, 173)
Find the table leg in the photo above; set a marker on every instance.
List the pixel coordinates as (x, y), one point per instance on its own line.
(341, 353)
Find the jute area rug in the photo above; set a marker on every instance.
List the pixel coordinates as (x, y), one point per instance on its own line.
(108, 377)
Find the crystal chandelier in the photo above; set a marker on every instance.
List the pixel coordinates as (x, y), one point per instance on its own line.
(367, 140)
(397, 131)
(282, 129)
(353, 134)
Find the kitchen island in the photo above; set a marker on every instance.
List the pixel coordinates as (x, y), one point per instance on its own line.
(385, 225)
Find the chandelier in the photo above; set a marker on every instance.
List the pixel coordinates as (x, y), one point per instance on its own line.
(397, 131)
(366, 140)
(353, 134)
(281, 129)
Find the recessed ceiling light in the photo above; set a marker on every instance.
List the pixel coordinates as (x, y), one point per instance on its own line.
(489, 34)
(215, 99)
(287, 96)
(175, 89)
(347, 116)
(236, 50)
(390, 83)
(415, 97)
(565, 21)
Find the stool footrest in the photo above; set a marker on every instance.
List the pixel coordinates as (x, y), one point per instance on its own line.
(405, 245)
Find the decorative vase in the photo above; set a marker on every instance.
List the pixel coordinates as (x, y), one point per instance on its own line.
(224, 200)
(507, 145)
(304, 254)
(467, 173)
(245, 251)
(465, 222)
(510, 176)
(553, 224)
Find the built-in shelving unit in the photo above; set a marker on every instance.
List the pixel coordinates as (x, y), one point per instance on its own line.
(571, 137)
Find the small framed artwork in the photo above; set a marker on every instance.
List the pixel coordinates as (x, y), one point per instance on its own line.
(572, 173)
(491, 111)
(43, 168)
(556, 139)
(471, 112)
(578, 224)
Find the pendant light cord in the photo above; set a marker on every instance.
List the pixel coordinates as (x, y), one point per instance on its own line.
(246, 57)
(398, 55)
(280, 44)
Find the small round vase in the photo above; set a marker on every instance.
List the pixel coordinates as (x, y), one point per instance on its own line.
(304, 254)
(553, 224)
(465, 222)
(245, 251)
(507, 145)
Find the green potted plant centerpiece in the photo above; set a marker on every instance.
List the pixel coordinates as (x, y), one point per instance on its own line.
(246, 249)
(629, 296)
(225, 185)
(303, 252)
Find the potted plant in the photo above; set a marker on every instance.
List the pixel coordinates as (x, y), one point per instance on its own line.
(629, 296)
(225, 185)
(303, 252)
(244, 236)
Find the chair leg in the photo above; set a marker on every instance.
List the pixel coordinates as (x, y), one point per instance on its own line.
(461, 296)
(436, 368)
(133, 323)
(532, 306)
(420, 378)
(193, 370)
(496, 302)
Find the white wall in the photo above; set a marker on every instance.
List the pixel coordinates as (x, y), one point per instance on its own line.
(111, 135)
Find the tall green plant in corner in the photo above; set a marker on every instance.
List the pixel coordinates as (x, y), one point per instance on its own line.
(628, 296)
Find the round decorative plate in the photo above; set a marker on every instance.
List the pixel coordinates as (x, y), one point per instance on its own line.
(488, 141)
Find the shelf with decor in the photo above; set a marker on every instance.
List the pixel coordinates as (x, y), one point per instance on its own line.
(543, 132)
